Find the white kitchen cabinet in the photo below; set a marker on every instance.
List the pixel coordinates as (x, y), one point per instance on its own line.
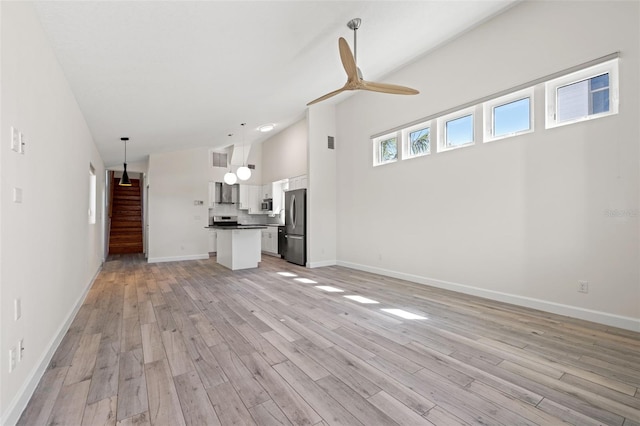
(213, 241)
(255, 198)
(269, 243)
(243, 197)
(298, 182)
(267, 190)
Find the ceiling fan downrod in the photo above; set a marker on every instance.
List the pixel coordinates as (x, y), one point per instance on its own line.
(354, 24)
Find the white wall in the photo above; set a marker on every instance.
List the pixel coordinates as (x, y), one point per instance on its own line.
(321, 193)
(176, 225)
(285, 154)
(522, 219)
(50, 253)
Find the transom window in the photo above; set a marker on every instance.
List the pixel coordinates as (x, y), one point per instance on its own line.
(508, 115)
(385, 149)
(416, 141)
(456, 130)
(583, 95)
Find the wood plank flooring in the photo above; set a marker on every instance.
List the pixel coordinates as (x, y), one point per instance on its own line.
(192, 343)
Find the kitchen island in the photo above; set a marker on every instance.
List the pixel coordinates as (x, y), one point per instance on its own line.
(239, 246)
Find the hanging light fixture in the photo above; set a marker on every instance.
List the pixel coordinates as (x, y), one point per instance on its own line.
(243, 171)
(230, 178)
(124, 180)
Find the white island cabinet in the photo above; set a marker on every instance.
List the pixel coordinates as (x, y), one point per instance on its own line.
(239, 248)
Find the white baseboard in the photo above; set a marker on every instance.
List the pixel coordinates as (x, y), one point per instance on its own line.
(19, 403)
(178, 258)
(321, 263)
(627, 323)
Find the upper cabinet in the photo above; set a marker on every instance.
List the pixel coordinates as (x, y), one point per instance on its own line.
(243, 197)
(267, 191)
(297, 182)
(255, 199)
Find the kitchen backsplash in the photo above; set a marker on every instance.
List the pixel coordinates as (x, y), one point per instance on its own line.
(243, 216)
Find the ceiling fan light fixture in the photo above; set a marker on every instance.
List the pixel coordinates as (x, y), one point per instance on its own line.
(124, 180)
(267, 127)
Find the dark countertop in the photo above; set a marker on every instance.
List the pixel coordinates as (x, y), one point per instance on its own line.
(237, 227)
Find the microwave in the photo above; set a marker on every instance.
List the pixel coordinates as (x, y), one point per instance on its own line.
(267, 204)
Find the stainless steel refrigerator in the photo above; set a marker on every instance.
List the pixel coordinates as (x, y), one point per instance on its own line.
(295, 225)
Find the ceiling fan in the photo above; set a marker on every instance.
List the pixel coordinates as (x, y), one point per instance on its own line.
(354, 75)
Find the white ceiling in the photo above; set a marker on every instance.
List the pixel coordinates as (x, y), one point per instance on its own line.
(173, 75)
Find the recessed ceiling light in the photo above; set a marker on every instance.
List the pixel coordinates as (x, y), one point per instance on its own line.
(329, 289)
(305, 280)
(403, 314)
(361, 299)
(266, 127)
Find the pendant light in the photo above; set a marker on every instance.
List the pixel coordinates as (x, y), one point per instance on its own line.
(230, 178)
(124, 180)
(243, 172)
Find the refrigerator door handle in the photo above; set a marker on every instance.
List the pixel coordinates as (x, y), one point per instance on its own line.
(292, 210)
(295, 237)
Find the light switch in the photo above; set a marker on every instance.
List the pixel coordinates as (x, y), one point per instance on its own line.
(17, 309)
(15, 139)
(17, 195)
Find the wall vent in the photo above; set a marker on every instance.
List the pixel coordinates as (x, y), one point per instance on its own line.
(251, 166)
(219, 159)
(331, 142)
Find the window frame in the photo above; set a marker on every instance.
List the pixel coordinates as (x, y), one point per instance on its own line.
(377, 151)
(488, 114)
(610, 67)
(406, 140)
(442, 128)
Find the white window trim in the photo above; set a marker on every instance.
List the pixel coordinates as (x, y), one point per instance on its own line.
(376, 148)
(442, 132)
(551, 88)
(406, 148)
(488, 118)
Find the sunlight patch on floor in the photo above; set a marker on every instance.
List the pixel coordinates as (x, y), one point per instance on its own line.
(305, 280)
(361, 299)
(287, 274)
(329, 289)
(403, 314)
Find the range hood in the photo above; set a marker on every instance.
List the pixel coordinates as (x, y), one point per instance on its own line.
(226, 194)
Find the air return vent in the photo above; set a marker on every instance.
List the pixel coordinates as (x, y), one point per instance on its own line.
(219, 159)
(331, 142)
(251, 166)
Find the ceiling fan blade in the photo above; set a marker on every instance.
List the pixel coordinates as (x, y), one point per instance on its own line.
(387, 88)
(348, 61)
(327, 96)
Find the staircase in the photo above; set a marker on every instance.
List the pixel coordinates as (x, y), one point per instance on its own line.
(126, 218)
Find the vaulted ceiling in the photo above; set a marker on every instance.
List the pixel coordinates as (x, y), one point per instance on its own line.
(174, 75)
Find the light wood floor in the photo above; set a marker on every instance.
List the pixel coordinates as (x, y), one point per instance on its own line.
(193, 343)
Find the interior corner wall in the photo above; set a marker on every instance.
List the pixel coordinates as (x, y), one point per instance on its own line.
(284, 155)
(321, 192)
(176, 224)
(521, 219)
(50, 252)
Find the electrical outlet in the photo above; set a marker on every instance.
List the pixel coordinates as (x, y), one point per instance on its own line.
(12, 359)
(583, 286)
(15, 139)
(22, 142)
(20, 349)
